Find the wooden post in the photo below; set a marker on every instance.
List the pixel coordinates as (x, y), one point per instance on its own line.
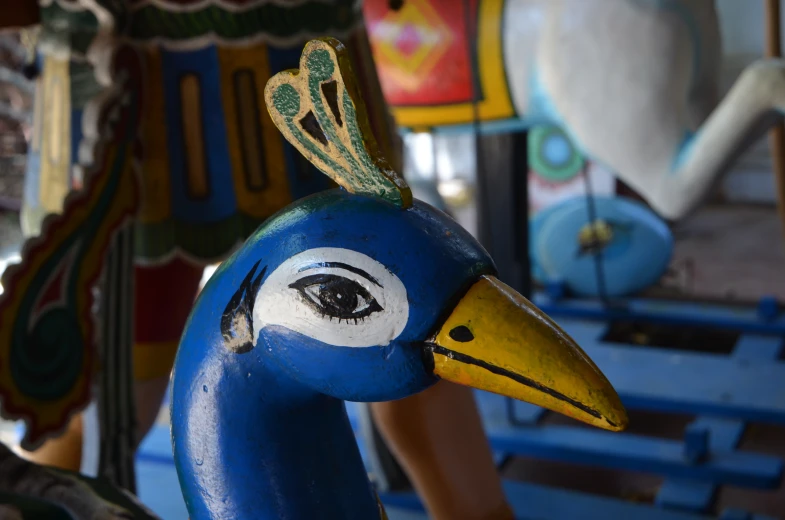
(502, 206)
(777, 135)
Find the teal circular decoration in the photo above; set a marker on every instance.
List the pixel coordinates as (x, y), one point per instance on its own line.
(552, 155)
(48, 363)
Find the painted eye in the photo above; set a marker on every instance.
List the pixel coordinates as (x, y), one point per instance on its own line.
(337, 297)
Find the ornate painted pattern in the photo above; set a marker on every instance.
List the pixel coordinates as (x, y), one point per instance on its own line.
(552, 155)
(67, 24)
(214, 165)
(424, 53)
(556, 169)
(47, 356)
(315, 111)
(231, 22)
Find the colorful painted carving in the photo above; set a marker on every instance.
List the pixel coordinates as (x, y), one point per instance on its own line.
(358, 294)
(47, 343)
(622, 96)
(212, 164)
(213, 167)
(423, 51)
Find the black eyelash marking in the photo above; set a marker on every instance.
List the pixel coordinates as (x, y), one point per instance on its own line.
(346, 267)
(237, 318)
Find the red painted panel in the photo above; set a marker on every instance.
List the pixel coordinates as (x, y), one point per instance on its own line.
(421, 50)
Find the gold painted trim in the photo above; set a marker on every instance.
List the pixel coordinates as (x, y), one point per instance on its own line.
(55, 160)
(193, 136)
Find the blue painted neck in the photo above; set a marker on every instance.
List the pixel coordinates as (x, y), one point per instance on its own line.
(259, 445)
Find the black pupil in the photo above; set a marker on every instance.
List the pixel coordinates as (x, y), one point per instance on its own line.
(339, 296)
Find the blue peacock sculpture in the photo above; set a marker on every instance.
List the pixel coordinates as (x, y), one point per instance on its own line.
(355, 294)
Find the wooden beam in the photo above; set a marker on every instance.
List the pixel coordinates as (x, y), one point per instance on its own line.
(773, 49)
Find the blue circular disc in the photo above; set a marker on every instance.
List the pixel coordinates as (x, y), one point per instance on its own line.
(635, 256)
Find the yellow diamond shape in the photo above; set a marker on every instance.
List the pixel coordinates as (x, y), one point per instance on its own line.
(432, 39)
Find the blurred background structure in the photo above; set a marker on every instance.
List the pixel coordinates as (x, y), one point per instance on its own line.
(731, 251)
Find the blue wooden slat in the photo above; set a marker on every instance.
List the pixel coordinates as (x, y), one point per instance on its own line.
(739, 514)
(664, 380)
(630, 452)
(402, 514)
(691, 495)
(697, 496)
(665, 312)
(760, 348)
(686, 495)
(725, 433)
(532, 501)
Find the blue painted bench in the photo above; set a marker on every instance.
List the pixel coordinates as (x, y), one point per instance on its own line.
(723, 434)
(748, 385)
(535, 502)
(532, 501)
(158, 488)
(663, 380)
(624, 451)
(766, 318)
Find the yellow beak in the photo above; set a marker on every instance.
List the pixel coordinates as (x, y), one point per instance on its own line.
(496, 340)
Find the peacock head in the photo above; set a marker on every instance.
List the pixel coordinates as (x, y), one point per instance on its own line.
(364, 294)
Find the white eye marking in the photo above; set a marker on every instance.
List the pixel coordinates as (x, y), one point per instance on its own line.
(337, 296)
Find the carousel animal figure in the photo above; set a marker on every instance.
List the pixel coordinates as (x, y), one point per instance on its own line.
(359, 293)
(633, 83)
(200, 165)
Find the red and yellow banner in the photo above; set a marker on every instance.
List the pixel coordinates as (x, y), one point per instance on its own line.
(424, 58)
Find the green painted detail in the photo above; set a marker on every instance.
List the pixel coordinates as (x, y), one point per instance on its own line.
(287, 102)
(63, 28)
(321, 68)
(271, 19)
(84, 85)
(366, 178)
(57, 331)
(374, 175)
(338, 139)
(557, 172)
(337, 168)
(52, 362)
(45, 361)
(207, 243)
